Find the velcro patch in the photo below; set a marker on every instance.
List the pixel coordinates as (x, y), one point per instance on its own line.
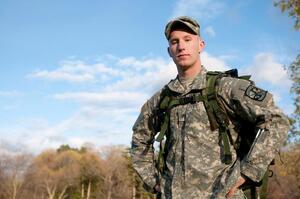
(255, 93)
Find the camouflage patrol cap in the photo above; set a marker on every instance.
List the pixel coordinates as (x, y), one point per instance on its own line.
(190, 23)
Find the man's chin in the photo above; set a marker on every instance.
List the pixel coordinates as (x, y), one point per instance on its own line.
(183, 66)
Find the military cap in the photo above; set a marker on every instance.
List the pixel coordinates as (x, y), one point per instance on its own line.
(190, 23)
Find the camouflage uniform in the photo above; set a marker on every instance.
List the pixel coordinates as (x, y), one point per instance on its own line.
(193, 164)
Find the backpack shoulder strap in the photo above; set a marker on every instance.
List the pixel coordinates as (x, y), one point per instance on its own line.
(163, 116)
(217, 115)
(216, 112)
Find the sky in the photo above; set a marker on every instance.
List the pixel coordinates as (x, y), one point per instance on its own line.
(77, 72)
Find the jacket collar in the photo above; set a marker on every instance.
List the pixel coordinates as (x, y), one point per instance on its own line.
(198, 83)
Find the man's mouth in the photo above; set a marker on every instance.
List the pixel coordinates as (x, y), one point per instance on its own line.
(182, 55)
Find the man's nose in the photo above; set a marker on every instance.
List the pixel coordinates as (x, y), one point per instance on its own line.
(181, 45)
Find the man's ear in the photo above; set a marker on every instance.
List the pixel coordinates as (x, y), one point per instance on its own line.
(169, 52)
(201, 45)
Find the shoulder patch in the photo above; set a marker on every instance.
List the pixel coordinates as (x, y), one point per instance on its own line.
(255, 93)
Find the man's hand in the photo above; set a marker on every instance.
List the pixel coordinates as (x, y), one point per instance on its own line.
(241, 180)
(157, 188)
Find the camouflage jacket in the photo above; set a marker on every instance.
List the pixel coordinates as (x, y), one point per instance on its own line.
(193, 163)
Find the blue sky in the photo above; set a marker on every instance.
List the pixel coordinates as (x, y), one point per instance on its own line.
(76, 72)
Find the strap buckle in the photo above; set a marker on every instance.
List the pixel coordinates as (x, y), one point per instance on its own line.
(211, 96)
(187, 100)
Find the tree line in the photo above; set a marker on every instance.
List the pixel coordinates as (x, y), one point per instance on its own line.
(70, 173)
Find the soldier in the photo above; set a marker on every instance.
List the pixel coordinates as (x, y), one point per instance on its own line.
(194, 163)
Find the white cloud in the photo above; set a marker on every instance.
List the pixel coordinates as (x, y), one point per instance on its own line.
(266, 69)
(100, 125)
(76, 71)
(60, 75)
(157, 73)
(202, 9)
(149, 80)
(269, 73)
(120, 99)
(32, 135)
(213, 63)
(210, 31)
(149, 64)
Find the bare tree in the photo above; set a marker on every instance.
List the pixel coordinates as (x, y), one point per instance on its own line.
(52, 173)
(91, 172)
(117, 178)
(12, 168)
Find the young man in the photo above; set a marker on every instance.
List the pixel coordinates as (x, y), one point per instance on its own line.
(194, 164)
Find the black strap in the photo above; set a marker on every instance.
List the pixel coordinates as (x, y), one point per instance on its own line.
(170, 102)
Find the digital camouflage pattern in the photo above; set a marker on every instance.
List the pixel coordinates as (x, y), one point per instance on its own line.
(184, 20)
(194, 166)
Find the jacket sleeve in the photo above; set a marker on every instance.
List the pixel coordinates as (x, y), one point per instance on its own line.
(256, 106)
(142, 149)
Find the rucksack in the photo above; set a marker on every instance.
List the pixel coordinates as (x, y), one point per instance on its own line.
(218, 119)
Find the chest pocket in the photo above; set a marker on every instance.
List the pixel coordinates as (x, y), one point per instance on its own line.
(196, 113)
(197, 123)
